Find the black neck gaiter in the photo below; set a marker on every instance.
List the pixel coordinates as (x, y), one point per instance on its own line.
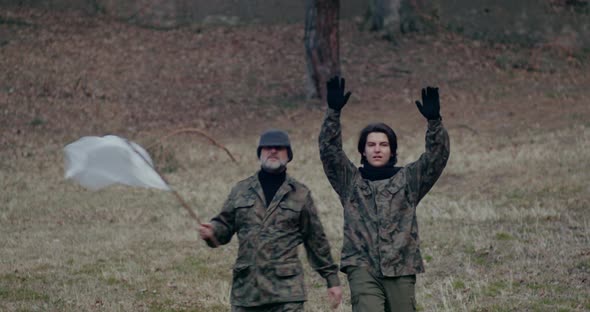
(377, 173)
(270, 183)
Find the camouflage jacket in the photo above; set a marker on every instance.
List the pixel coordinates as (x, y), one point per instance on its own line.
(268, 269)
(380, 226)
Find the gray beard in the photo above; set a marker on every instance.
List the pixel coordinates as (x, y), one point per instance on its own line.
(274, 167)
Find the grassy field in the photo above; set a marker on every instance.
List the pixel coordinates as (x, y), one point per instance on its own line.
(506, 228)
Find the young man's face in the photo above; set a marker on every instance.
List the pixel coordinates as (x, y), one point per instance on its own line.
(377, 150)
(273, 158)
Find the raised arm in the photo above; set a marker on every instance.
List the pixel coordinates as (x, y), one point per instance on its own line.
(337, 167)
(424, 172)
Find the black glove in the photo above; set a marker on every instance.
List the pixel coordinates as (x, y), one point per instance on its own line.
(431, 107)
(335, 93)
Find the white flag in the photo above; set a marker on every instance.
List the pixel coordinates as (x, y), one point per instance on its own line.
(97, 162)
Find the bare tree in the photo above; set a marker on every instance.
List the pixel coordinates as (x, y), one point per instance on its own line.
(322, 46)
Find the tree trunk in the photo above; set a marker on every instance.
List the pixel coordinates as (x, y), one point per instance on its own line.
(322, 46)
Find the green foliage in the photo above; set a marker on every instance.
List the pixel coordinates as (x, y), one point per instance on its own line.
(287, 104)
(200, 268)
(584, 265)
(111, 280)
(478, 256)
(534, 286)
(93, 269)
(572, 6)
(21, 294)
(512, 60)
(13, 22)
(582, 55)
(502, 236)
(191, 265)
(495, 288)
(458, 285)
(98, 7)
(37, 122)
(498, 308)
(455, 28)
(169, 305)
(11, 278)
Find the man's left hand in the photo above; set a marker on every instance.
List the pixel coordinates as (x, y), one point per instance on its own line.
(335, 296)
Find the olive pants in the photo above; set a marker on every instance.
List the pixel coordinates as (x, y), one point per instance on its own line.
(277, 307)
(374, 294)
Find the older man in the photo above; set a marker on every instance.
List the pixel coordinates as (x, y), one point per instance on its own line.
(381, 250)
(272, 214)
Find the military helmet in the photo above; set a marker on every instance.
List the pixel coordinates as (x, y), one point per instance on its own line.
(275, 137)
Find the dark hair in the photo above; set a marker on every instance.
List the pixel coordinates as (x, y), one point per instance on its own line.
(383, 128)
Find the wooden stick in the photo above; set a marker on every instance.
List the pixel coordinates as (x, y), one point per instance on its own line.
(180, 199)
(201, 132)
(183, 203)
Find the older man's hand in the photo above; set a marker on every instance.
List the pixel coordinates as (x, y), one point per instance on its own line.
(206, 231)
(335, 296)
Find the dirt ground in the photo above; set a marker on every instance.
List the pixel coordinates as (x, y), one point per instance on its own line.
(65, 75)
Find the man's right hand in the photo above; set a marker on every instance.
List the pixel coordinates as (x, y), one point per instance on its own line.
(430, 106)
(335, 93)
(206, 231)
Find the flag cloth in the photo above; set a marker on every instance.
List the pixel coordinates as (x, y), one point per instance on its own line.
(97, 162)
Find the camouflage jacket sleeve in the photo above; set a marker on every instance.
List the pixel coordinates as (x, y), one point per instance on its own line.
(338, 168)
(224, 222)
(424, 172)
(317, 245)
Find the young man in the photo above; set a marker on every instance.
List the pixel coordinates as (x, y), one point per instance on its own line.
(380, 253)
(272, 214)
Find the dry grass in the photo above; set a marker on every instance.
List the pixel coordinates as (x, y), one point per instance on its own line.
(513, 236)
(506, 228)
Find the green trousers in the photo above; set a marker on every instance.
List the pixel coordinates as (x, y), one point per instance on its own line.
(374, 294)
(277, 307)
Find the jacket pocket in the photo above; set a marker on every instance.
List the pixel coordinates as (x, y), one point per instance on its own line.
(243, 282)
(365, 190)
(240, 268)
(288, 216)
(392, 189)
(287, 270)
(244, 213)
(244, 202)
(288, 281)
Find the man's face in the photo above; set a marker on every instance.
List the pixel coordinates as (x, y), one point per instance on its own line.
(274, 158)
(377, 150)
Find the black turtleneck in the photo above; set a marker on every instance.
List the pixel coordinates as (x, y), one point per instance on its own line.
(270, 183)
(377, 173)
